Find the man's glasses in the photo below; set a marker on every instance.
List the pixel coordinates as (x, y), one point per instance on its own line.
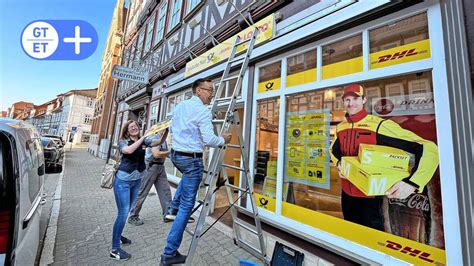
(210, 90)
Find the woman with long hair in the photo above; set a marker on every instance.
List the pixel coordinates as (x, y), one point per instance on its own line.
(127, 183)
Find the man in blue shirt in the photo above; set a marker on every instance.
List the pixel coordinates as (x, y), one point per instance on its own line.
(192, 130)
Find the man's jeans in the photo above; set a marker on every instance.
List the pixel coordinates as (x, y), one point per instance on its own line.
(125, 194)
(184, 199)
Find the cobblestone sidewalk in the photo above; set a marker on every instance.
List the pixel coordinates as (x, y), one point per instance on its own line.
(87, 214)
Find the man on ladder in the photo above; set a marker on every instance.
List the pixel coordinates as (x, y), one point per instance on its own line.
(192, 129)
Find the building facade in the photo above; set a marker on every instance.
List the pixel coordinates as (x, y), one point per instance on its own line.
(76, 114)
(410, 56)
(102, 122)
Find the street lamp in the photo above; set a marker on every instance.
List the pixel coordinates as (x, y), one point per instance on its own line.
(174, 39)
(197, 21)
(221, 2)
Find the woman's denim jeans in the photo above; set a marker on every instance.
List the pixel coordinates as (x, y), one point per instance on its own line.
(126, 193)
(184, 199)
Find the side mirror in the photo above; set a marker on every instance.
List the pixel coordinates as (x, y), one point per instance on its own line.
(54, 169)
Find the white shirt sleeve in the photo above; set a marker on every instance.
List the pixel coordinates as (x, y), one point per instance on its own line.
(206, 129)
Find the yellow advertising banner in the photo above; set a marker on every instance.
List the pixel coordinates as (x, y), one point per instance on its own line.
(300, 78)
(398, 247)
(296, 150)
(222, 51)
(401, 54)
(269, 85)
(342, 68)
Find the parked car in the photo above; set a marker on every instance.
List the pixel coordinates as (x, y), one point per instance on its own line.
(59, 139)
(53, 153)
(22, 169)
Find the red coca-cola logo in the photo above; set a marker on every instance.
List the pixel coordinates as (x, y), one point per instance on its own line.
(384, 106)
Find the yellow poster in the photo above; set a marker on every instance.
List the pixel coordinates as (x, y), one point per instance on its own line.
(295, 132)
(269, 85)
(263, 202)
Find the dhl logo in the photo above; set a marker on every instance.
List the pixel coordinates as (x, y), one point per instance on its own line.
(422, 255)
(397, 55)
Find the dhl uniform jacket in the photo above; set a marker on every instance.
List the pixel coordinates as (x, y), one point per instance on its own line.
(370, 129)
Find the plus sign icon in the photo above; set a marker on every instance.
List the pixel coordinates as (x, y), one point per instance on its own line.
(59, 40)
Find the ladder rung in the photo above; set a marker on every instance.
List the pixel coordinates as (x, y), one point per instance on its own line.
(233, 167)
(189, 231)
(233, 146)
(218, 121)
(237, 61)
(246, 226)
(257, 252)
(244, 41)
(236, 187)
(230, 78)
(223, 99)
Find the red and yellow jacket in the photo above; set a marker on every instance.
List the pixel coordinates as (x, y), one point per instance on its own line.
(370, 129)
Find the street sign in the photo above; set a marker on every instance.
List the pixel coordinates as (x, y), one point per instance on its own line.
(125, 73)
(74, 129)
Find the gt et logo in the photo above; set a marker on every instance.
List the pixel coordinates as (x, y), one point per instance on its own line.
(397, 55)
(410, 251)
(59, 40)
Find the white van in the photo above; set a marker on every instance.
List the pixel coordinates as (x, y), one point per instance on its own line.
(22, 170)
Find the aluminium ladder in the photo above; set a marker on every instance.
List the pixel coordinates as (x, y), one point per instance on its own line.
(217, 165)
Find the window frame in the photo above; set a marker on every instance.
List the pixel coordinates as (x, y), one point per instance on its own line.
(160, 15)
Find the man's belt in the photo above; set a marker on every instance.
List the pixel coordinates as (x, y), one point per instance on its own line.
(188, 154)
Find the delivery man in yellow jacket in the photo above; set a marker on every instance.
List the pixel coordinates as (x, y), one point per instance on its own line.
(360, 127)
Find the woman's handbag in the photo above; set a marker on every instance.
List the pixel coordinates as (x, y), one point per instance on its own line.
(108, 176)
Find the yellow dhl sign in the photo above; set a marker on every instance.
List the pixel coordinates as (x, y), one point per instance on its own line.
(401, 54)
(222, 51)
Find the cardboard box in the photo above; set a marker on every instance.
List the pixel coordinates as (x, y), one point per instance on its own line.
(371, 180)
(384, 156)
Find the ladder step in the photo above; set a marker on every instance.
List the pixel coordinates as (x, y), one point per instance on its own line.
(255, 251)
(242, 42)
(223, 99)
(189, 231)
(237, 61)
(247, 227)
(236, 187)
(230, 78)
(233, 146)
(233, 167)
(218, 121)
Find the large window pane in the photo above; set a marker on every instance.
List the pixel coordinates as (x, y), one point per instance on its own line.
(267, 152)
(408, 121)
(161, 23)
(301, 68)
(175, 13)
(400, 42)
(342, 57)
(149, 34)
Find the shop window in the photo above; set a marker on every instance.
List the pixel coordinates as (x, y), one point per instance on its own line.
(311, 182)
(342, 57)
(403, 41)
(175, 13)
(301, 68)
(149, 34)
(266, 152)
(269, 77)
(161, 23)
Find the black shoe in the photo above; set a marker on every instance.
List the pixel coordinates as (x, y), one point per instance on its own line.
(120, 254)
(125, 241)
(177, 258)
(169, 218)
(135, 220)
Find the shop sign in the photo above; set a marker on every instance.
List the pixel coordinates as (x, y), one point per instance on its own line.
(222, 51)
(401, 54)
(125, 73)
(413, 104)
